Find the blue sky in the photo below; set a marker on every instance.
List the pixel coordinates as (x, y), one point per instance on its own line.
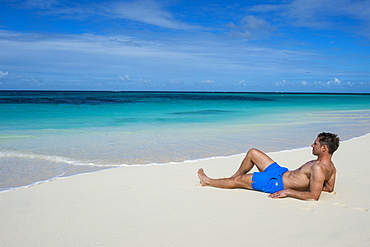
(248, 46)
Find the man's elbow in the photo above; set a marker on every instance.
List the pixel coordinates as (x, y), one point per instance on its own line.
(326, 189)
(314, 197)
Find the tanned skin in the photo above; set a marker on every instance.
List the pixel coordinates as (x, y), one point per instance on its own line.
(305, 183)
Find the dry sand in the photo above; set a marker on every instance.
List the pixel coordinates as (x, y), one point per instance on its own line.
(165, 206)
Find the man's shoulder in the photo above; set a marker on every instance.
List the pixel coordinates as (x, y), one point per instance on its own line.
(326, 169)
(309, 164)
(318, 166)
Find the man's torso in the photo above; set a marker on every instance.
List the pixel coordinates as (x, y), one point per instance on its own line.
(299, 179)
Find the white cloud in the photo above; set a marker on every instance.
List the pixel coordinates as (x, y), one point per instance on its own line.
(323, 14)
(265, 8)
(3, 74)
(282, 83)
(145, 11)
(242, 82)
(40, 4)
(252, 22)
(356, 84)
(304, 83)
(175, 82)
(149, 12)
(335, 81)
(207, 81)
(251, 27)
(124, 78)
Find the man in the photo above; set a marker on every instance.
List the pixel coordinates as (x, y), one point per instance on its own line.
(304, 183)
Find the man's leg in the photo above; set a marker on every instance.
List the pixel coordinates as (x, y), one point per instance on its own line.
(256, 158)
(241, 181)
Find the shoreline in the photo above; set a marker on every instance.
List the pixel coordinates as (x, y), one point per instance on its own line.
(163, 205)
(108, 167)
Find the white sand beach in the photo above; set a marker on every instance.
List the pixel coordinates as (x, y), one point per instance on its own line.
(165, 206)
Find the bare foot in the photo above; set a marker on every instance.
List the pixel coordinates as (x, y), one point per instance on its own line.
(203, 177)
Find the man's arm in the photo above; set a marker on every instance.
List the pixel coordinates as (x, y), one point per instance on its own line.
(316, 186)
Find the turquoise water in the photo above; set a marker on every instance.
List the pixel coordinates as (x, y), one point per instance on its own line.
(44, 135)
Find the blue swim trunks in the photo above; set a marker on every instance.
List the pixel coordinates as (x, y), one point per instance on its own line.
(270, 180)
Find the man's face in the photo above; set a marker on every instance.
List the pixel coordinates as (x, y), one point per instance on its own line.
(316, 147)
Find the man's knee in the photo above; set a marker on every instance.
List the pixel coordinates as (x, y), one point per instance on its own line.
(253, 152)
(259, 159)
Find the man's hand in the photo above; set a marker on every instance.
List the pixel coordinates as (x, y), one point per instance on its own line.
(279, 194)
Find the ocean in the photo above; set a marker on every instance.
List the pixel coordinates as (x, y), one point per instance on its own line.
(49, 134)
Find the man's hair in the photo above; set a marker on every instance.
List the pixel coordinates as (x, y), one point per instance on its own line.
(329, 139)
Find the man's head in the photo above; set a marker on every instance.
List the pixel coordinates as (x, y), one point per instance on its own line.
(330, 140)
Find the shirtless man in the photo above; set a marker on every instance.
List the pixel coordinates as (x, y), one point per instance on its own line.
(305, 183)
